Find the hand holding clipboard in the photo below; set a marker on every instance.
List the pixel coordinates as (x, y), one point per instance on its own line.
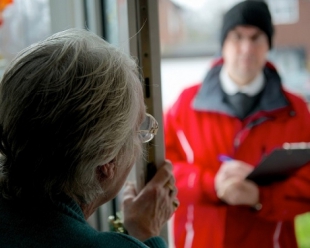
(281, 163)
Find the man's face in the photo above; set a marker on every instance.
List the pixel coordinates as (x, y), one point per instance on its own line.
(244, 51)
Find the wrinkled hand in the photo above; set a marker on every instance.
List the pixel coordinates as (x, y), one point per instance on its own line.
(231, 186)
(146, 212)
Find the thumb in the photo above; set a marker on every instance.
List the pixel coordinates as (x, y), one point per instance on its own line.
(129, 191)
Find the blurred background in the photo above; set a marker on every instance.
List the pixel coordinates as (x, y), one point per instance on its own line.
(189, 35)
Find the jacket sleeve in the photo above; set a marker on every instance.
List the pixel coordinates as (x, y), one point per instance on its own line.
(286, 199)
(193, 184)
(155, 242)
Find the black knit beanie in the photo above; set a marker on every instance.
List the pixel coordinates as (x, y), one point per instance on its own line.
(254, 13)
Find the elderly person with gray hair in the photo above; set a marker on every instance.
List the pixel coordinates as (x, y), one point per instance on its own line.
(71, 118)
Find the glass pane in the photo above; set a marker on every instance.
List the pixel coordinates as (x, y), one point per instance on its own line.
(22, 22)
(189, 36)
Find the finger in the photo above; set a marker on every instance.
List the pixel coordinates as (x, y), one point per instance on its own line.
(176, 204)
(166, 163)
(169, 186)
(129, 191)
(225, 186)
(172, 190)
(236, 168)
(163, 175)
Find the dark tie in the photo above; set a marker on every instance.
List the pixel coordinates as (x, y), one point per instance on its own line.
(241, 103)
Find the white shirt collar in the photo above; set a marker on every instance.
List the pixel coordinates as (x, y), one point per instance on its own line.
(231, 88)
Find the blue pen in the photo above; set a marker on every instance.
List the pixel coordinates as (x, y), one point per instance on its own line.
(224, 158)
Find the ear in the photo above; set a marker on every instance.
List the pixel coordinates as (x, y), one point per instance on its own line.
(106, 171)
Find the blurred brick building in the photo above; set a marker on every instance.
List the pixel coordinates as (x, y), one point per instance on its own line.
(296, 35)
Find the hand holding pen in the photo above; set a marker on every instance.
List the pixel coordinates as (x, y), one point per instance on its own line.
(230, 185)
(231, 168)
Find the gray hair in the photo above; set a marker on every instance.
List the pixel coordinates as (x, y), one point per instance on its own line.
(67, 105)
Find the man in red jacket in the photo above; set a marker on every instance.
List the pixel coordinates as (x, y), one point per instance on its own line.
(240, 111)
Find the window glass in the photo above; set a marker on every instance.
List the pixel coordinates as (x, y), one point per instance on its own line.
(189, 36)
(22, 22)
(284, 11)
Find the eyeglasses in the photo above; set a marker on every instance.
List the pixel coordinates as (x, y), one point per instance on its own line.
(148, 129)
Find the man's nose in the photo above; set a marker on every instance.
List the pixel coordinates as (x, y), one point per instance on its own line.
(247, 46)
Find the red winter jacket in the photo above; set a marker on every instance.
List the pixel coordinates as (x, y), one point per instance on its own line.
(198, 128)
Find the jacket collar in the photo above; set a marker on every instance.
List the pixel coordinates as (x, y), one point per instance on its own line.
(210, 96)
(231, 88)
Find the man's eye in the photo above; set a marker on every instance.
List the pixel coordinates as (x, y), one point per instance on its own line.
(258, 38)
(236, 36)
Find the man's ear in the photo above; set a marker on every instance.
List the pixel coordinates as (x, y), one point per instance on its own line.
(106, 171)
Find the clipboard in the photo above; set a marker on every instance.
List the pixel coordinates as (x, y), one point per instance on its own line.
(281, 163)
